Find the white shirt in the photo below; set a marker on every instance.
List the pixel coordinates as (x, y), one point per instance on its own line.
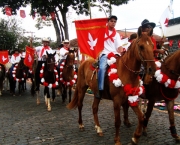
(39, 49)
(110, 46)
(62, 53)
(16, 59)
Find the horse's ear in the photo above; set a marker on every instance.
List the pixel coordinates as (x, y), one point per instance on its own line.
(54, 53)
(47, 53)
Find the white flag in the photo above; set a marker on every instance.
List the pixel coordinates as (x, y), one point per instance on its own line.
(164, 19)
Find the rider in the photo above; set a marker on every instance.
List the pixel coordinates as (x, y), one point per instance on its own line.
(41, 51)
(147, 26)
(64, 51)
(113, 44)
(15, 58)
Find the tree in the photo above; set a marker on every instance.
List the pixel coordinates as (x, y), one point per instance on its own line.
(60, 8)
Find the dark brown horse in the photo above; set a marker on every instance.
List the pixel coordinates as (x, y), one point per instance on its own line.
(19, 75)
(68, 75)
(49, 78)
(157, 91)
(128, 66)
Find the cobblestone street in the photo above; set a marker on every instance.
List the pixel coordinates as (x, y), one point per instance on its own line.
(25, 123)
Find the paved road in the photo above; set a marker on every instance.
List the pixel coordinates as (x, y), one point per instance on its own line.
(22, 122)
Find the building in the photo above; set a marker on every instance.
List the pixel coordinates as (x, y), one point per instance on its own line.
(173, 34)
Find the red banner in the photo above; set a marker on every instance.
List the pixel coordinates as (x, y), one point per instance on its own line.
(29, 59)
(8, 11)
(90, 36)
(53, 15)
(22, 13)
(170, 43)
(178, 43)
(4, 57)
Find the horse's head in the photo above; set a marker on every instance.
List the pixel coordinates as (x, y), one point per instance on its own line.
(70, 58)
(50, 61)
(145, 52)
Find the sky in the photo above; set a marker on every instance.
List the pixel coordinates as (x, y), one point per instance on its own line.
(129, 16)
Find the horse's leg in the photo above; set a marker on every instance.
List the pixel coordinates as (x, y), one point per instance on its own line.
(48, 99)
(125, 110)
(147, 115)
(53, 95)
(170, 108)
(70, 92)
(80, 92)
(95, 114)
(1, 87)
(64, 93)
(139, 128)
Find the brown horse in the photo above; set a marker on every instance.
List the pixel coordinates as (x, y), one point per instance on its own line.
(128, 66)
(157, 91)
(68, 75)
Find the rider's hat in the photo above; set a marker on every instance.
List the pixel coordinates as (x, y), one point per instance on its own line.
(66, 41)
(146, 23)
(45, 39)
(112, 17)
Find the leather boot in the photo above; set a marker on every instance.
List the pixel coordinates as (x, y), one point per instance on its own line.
(99, 95)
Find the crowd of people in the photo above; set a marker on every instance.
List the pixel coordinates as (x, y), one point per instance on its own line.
(112, 43)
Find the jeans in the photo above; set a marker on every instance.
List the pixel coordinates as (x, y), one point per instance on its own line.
(101, 72)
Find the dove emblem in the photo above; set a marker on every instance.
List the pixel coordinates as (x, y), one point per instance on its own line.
(92, 42)
(29, 58)
(3, 58)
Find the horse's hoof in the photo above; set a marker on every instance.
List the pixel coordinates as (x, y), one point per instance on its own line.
(81, 127)
(127, 124)
(118, 143)
(177, 139)
(144, 133)
(100, 134)
(133, 141)
(48, 109)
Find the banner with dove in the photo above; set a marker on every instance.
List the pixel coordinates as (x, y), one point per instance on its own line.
(4, 57)
(90, 36)
(29, 58)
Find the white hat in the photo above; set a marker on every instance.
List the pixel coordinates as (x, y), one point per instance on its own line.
(66, 41)
(165, 43)
(45, 39)
(23, 55)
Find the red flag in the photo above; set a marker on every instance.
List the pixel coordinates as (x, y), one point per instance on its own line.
(90, 36)
(44, 17)
(22, 13)
(4, 57)
(170, 43)
(52, 15)
(8, 11)
(29, 59)
(178, 43)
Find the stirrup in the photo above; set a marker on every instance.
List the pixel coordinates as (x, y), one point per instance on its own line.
(95, 64)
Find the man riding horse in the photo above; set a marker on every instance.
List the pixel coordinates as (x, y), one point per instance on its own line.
(41, 53)
(113, 44)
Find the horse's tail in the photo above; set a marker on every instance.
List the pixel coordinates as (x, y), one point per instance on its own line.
(74, 102)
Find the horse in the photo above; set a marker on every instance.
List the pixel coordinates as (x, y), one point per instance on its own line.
(19, 75)
(140, 52)
(49, 79)
(2, 77)
(68, 75)
(165, 87)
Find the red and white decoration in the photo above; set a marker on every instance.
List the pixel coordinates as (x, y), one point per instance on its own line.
(67, 83)
(46, 84)
(164, 79)
(131, 92)
(178, 43)
(171, 43)
(14, 74)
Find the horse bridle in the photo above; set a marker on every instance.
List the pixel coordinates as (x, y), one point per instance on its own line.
(141, 58)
